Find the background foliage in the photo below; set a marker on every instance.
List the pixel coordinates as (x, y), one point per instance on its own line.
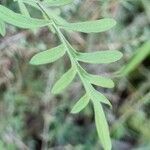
(32, 118)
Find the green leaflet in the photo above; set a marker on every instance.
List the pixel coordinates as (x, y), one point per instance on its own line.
(48, 56)
(90, 26)
(101, 57)
(23, 8)
(102, 126)
(81, 104)
(64, 81)
(2, 28)
(94, 94)
(99, 80)
(19, 20)
(58, 2)
(97, 96)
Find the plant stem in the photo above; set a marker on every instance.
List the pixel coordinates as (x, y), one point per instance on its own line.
(70, 51)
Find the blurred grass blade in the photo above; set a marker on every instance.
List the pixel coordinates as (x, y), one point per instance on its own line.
(102, 126)
(64, 81)
(99, 80)
(2, 28)
(23, 8)
(101, 57)
(91, 26)
(139, 56)
(48, 56)
(20, 20)
(58, 2)
(81, 104)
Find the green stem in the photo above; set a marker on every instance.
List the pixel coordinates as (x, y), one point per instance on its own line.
(70, 51)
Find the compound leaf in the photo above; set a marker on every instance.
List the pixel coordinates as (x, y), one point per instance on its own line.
(2, 28)
(48, 56)
(20, 20)
(90, 26)
(101, 57)
(102, 126)
(81, 104)
(64, 81)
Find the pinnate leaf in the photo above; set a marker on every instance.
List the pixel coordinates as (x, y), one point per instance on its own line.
(48, 56)
(64, 81)
(90, 26)
(20, 20)
(101, 57)
(102, 126)
(81, 104)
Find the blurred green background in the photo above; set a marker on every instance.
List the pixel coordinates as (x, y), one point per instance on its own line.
(31, 118)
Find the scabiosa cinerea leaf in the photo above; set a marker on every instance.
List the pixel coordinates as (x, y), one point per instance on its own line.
(99, 80)
(102, 126)
(20, 20)
(81, 104)
(90, 26)
(101, 57)
(64, 81)
(97, 96)
(48, 56)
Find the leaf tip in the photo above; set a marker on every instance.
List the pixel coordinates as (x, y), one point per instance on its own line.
(33, 61)
(73, 111)
(54, 90)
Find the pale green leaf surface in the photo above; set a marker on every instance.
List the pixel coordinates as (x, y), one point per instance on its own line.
(81, 104)
(64, 81)
(58, 2)
(97, 96)
(23, 8)
(94, 94)
(48, 56)
(99, 80)
(102, 126)
(2, 28)
(20, 20)
(90, 26)
(101, 57)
